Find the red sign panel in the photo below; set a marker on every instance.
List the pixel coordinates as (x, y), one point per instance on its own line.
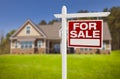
(85, 33)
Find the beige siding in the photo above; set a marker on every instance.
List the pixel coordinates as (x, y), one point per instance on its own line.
(107, 45)
(33, 32)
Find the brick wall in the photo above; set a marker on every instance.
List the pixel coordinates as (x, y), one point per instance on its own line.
(93, 51)
(41, 50)
(22, 51)
(105, 51)
(78, 51)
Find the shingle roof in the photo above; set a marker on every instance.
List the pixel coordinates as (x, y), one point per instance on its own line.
(52, 31)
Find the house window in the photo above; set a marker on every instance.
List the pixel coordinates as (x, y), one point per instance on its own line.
(39, 43)
(26, 45)
(16, 44)
(104, 46)
(85, 49)
(28, 30)
(56, 48)
(81, 49)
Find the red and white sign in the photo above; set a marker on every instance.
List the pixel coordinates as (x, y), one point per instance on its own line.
(85, 33)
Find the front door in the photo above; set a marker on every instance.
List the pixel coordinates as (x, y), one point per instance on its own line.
(56, 48)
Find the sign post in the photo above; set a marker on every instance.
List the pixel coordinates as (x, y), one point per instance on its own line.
(64, 17)
(63, 41)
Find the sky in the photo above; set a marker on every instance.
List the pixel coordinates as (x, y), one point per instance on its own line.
(13, 13)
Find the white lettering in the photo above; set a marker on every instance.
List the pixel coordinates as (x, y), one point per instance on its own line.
(92, 25)
(85, 26)
(75, 25)
(73, 34)
(81, 34)
(87, 35)
(96, 34)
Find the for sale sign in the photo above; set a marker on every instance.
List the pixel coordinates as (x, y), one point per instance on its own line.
(85, 33)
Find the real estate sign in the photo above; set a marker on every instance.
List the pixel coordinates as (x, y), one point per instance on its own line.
(85, 33)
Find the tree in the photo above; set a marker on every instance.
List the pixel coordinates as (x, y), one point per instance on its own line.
(9, 34)
(83, 11)
(52, 21)
(1, 36)
(1, 39)
(84, 18)
(114, 24)
(105, 10)
(5, 43)
(43, 22)
(113, 21)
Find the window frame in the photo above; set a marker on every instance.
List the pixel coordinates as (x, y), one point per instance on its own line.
(28, 30)
(39, 43)
(16, 44)
(104, 46)
(85, 49)
(26, 44)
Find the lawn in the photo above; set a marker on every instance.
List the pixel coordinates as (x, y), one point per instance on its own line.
(49, 66)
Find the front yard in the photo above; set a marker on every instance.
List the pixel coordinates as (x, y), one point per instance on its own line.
(49, 66)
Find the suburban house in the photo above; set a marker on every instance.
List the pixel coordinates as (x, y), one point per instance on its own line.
(32, 39)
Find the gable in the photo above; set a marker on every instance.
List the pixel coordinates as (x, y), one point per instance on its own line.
(34, 31)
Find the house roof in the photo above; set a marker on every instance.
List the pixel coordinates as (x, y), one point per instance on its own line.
(51, 31)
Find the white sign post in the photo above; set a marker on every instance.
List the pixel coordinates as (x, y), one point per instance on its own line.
(64, 17)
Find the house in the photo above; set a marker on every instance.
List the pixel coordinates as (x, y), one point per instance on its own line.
(31, 39)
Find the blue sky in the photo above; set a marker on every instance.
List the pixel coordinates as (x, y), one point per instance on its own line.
(13, 13)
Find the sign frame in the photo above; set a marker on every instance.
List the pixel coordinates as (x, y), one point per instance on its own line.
(86, 46)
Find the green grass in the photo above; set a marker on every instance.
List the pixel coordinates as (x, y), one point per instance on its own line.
(49, 66)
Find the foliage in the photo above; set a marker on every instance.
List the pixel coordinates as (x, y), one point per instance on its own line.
(5, 43)
(84, 18)
(52, 21)
(114, 24)
(43, 22)
(49, 66)
(9, 34)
